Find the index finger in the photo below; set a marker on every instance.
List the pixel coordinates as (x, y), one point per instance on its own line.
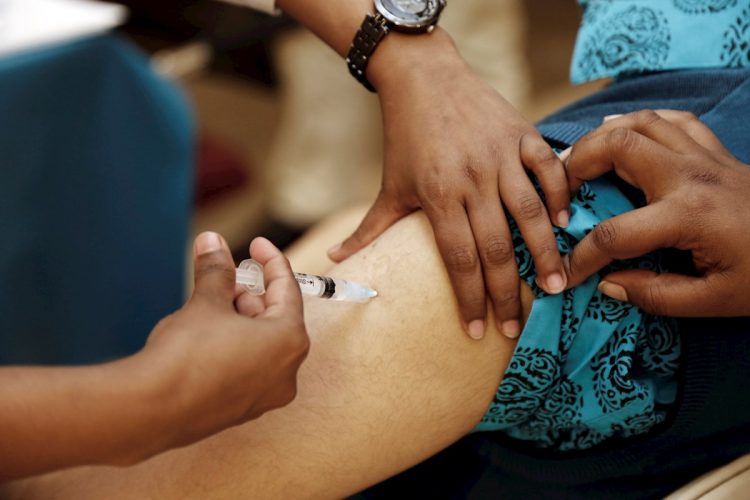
(625, 236)
(635, 158)
(695, 128)
(283, 296)
(659, 126)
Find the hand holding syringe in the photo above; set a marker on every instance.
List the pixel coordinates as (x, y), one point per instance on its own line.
(250, 275)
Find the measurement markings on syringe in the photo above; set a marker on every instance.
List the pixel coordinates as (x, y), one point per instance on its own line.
(250, 275)
(328, 283)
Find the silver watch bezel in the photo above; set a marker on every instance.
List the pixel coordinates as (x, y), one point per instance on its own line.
(401, 24)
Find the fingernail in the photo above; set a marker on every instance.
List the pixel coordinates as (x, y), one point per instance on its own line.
(511, 329)
(564, 154)
(610, 117)
(613, 290)
(476, 329)
(334, 250)
(563, 219)
(555, 283)
(207, 242)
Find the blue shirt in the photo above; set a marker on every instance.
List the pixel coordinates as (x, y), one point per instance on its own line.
(621, 37)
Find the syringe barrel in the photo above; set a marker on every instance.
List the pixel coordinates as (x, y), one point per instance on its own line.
(332, 288)
(250, 275)
(319, 286)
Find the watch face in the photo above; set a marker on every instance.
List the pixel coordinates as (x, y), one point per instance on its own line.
(414, 14)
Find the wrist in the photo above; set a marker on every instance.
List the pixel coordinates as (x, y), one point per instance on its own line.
(151, 400)
(401, 57)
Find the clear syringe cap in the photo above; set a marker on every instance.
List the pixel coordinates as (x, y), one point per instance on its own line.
(250, 276)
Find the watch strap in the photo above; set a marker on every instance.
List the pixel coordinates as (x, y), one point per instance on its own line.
(370, 33)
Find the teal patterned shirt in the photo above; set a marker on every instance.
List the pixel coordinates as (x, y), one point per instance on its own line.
(623, 37)
(586, 368)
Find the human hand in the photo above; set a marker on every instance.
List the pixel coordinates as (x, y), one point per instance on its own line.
(697, 195)
(455, 148)
(225, 367)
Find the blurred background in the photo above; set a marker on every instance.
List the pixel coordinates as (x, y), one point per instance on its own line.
(124, 138)
(287, 136)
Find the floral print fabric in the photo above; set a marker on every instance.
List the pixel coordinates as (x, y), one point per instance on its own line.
(622, 37)
(586, 368)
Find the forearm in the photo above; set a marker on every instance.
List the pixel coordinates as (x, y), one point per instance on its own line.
(60, 417)
(337, 21)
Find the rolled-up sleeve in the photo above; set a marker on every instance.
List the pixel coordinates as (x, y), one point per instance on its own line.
(267, 6)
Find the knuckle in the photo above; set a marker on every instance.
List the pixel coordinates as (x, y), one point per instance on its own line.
(687, 117)
(473, 174)
(542, 156)
(215, 268)
(462, 260)
(604, 235)
(621, 140)
(646, 117)
(435, 194)
(652, 300)
(575, 149)
(529, 207)
(572, 265)
(505, 299)
(546, 249)
(705, 176)
(472, 304)
(498, 251)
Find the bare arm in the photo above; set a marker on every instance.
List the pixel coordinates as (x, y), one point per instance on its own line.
(385, 386)
(204, 368)
(54, 417)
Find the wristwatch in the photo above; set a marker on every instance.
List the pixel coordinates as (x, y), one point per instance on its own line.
(404, 16)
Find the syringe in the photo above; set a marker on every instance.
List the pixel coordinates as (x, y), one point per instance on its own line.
(250, 275)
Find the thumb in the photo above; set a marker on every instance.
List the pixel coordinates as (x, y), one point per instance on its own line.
(380, 217)
(214, 269)
(663, 294)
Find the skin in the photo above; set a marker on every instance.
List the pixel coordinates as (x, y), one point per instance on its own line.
(441, 157)
(204, 368)
(386, 385)
(697, 195)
